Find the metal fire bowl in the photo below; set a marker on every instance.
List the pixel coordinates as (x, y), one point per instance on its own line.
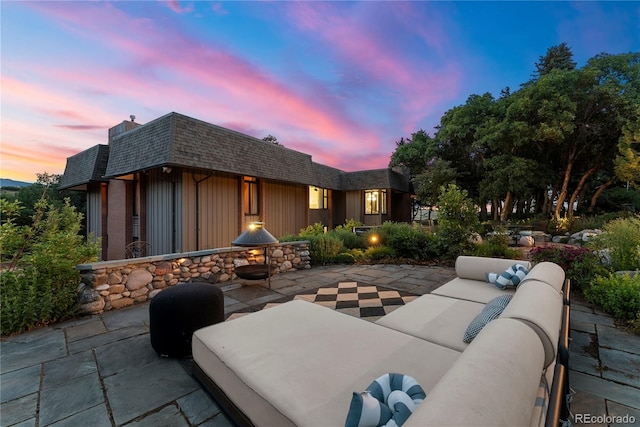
(255, 271)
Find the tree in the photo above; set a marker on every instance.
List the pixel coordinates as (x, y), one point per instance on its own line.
(47, 186)
(272, 139)
(557, 58)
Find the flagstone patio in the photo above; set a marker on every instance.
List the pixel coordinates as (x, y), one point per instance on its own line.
(102, 371)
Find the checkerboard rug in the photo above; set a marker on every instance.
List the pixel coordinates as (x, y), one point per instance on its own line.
(365, 301)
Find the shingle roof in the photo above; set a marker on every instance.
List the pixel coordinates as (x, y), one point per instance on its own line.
(178, 140)
(87, 166)
(377, 178)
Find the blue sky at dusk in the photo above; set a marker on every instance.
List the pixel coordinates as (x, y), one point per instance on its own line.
(341, 81)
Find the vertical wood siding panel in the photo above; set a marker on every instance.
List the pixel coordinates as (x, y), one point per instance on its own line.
(354, 205)
(285, 208)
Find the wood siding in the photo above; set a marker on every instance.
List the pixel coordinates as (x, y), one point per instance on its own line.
(94, 212)
(285, 208)
(353, 202)
(217, 214)
(164, 215)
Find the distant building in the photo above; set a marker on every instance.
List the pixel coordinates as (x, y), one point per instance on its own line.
(181, 184)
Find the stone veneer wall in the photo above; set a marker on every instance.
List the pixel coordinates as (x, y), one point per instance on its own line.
(110, 285)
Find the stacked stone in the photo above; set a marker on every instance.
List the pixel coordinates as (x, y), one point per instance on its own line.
(104, 287)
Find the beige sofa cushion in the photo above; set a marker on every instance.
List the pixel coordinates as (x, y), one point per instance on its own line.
(493, 383)
(434, 318)
(540, 307)
(477, 268)
(299, 363)
(549, 273)
(471, 290)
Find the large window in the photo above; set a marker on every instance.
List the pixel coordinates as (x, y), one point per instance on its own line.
(375, 202)
(318, 198)
(250, 196)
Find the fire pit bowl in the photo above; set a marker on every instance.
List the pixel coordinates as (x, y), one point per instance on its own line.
(255, 271)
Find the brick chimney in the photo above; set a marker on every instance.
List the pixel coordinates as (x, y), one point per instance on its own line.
(123, 127)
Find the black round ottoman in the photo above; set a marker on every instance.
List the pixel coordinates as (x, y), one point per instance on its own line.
(176, 312)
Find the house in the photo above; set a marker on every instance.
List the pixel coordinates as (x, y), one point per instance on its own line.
(182, 184)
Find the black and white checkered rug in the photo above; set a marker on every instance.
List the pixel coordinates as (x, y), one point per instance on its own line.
(365, 301)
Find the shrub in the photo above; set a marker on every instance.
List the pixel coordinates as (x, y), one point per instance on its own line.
(618, 294)
(348, 225)
(621, 237)
(344, 258)
(380, 252)
(39, 285)
(457, 220)
(357, 254)
(316, 229)
(408, 241)
(291, 238)
(349, 239)
(580, 264)
(324, 248)
(497, 246)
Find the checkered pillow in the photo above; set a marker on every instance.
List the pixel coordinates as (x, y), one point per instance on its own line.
(491, 311)
(511, 277)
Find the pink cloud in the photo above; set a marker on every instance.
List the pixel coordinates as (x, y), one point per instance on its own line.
(175, 5)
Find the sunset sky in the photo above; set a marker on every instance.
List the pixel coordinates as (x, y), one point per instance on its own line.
(342, 81)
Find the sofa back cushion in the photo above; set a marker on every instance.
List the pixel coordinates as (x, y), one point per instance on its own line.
(549, 273)
(493, 383)
(477, 268)
(539, 306)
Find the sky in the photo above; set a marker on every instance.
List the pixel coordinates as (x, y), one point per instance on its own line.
(341, 81)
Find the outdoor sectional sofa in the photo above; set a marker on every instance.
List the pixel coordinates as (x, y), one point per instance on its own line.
(299, 364)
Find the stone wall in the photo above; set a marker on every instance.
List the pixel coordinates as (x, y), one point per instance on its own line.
(110, 285)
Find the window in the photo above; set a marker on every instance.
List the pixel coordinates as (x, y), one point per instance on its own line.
(250, 196)
(375, 202)
(318, 198)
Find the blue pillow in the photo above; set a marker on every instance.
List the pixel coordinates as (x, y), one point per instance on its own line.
(388, 401)
(511, 277)
(491, 311)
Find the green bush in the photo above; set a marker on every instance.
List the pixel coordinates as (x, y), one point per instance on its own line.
(408, 241)
(344, 258)
(316, 229)
(350, 240)
(380, 252)
(40, 281)
(457, 221)
(291, 238)
(617, 294)
(621, 237)
(349, 224)
(580, 264)
(358, 255)
(324, 248)
(496, 246)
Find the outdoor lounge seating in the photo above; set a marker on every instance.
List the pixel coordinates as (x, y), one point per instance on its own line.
(299, 364)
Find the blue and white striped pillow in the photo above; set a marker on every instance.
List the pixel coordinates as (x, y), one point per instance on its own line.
(511, 277)
(388, 401)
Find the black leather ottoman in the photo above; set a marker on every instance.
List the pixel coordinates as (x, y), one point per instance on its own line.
(176, 312)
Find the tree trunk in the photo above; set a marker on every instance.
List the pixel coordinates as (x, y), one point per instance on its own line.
(507, 207)
(494, 208)
(565, 183)
(598, 192)
(579, 188)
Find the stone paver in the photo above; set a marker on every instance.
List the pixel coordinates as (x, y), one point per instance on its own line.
(102, 371)
(67, 399)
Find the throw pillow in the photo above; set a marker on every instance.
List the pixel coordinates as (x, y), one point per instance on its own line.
(491, 311)
(367, 411)
(388, 401)
(511, 277)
